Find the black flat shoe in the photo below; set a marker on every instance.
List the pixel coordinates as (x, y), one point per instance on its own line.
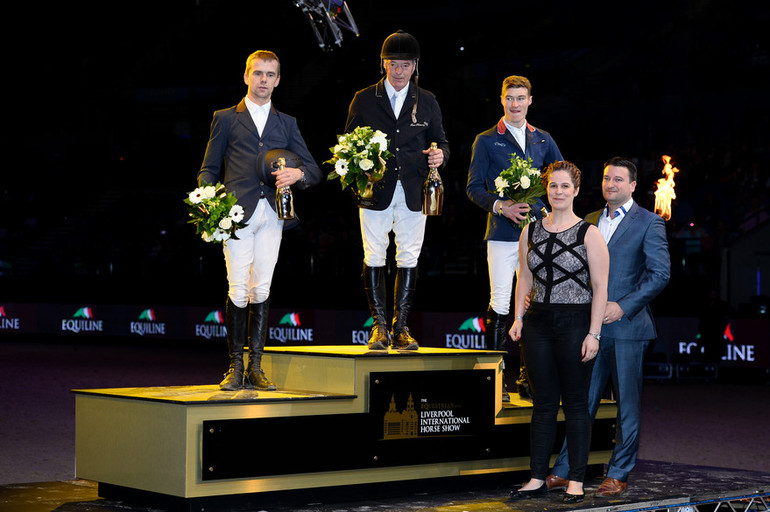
(520, 495)
(573, 498)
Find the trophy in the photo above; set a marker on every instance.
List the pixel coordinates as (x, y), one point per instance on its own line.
(284, 200)
(432, 191)
(366, 196)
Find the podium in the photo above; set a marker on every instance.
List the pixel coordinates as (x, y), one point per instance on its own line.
(342, 415)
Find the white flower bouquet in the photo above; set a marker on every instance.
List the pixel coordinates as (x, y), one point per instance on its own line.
(359, 158)
(214, 213)
(520, 183)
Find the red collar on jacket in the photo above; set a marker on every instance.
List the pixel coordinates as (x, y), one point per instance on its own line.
(501, 126)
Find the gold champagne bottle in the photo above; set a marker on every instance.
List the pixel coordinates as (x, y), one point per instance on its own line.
(433, 191)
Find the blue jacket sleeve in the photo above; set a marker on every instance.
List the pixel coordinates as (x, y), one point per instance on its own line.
(476, 189)
(657, 269)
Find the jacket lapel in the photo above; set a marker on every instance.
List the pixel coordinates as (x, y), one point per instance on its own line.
(509, 137)
(382, 98)
(272, 120)
(409, 101)
(528, 135)
(244, 117)
(502, 131)
(625, 223)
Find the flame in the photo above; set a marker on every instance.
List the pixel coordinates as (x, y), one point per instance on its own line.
(664, 192)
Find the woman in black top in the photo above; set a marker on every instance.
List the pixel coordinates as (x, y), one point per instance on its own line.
(563, 272)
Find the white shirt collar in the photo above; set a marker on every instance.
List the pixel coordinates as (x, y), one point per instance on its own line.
(254, 108)
(390, 90)
(608, 225)
(512, 128)
(620, 212)
(259, 114)
(519, 133)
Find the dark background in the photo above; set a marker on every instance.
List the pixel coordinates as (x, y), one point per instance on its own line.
(111, 102)
(108, 107)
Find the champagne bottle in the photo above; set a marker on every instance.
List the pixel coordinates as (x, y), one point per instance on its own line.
(284, 200)
(433, 191)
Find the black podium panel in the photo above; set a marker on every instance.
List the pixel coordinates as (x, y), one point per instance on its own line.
(432, 416)
(255, 447)
(414, 418)
(419, 417)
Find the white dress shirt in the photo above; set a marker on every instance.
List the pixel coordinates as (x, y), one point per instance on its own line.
(400, 96)
(519, 134)
(259, 113)
(608, 221)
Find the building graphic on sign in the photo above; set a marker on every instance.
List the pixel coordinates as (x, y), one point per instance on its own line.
(401, 424)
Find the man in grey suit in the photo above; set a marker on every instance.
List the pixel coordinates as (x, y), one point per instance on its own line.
(639, 270)
(240, 139)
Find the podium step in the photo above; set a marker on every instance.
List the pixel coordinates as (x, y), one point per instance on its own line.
(340, 416)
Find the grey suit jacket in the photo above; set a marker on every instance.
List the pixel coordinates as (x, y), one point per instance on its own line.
(640, 268)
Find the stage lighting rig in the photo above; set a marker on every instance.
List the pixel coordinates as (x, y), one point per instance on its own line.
(327, 18)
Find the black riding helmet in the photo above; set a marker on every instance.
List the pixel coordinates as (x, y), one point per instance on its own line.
(267, 162)
(402, 46)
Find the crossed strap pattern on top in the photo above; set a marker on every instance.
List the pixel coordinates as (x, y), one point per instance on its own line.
(559, 264)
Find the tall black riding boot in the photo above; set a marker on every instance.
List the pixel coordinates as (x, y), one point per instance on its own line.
(255, 377)
(404, 296)
(495, 329)
(374, 286)
(236, 325)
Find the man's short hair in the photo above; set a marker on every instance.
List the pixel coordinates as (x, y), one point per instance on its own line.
(515, 81)
(262, 55)
(619, 161)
